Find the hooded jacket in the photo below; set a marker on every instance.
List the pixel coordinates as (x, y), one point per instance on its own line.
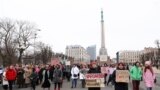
(136, 73)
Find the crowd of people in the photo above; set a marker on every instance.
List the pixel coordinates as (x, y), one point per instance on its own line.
(32, 75)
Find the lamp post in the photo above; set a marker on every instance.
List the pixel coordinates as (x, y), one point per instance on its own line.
(158, 56)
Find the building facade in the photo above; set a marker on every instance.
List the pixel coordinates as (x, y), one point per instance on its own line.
(91, 50)
(129, 57)
(78, 53)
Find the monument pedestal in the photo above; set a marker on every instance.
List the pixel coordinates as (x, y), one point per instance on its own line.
(103, 59)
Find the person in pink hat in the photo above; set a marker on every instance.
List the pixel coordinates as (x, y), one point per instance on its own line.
(148, 76)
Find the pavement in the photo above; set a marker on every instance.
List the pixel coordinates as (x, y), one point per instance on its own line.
(67, 86)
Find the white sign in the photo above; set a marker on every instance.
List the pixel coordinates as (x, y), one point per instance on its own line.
(103, 57)
(68, 62)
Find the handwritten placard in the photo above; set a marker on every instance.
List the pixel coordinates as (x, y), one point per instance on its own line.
(122, 76)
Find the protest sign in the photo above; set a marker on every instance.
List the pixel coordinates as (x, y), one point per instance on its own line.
(55, 61)
(104, 70)
(94, 80)
(122, 76)
(68, 62)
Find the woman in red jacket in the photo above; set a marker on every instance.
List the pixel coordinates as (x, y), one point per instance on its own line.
(11, 76)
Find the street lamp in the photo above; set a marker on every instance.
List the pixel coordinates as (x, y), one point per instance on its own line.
(158, 56)
(35, 36)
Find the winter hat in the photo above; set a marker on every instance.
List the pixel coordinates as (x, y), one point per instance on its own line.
(147, 63)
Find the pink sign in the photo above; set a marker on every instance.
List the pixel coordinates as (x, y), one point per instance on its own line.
(104, 70)
(55, 61)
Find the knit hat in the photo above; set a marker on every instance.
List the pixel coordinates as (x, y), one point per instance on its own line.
(147, 63)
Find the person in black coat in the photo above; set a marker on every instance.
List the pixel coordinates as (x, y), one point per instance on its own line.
(94, 69)
(33, 78)
(20, 77)
(119, 85)
(41, 73)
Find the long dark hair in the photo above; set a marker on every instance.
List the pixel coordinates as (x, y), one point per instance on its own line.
(122, 65)
(149, 68)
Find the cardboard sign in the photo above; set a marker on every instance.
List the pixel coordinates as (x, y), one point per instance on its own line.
(122, 76)
(94, 80)
(104, 70)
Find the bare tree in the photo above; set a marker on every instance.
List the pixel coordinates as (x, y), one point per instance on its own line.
(7, 38)
(15, 38)
(25, 36)
(45, 53)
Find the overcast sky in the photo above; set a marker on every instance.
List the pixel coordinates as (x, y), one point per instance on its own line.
(129, 24)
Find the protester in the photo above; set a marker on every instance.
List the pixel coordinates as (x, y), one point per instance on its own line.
(4, 80)
(46, 81)
(11, 76)
(74, 76)
(27, 73)
(83, 71)
(51, 71)
(33, 78)
(64, 71)
(136, 74)
(111, 70)
(57, 77)
(105, 74)
(37, 69)
(20, 77)
(148, 76)
(42, 68)
(1, 74)
(68, 72)
(94, 69)
(119, 85)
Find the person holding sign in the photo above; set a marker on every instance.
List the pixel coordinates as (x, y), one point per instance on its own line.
(120, 77)
(94, 69)
(105, 72)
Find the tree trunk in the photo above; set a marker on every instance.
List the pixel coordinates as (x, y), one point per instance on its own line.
(20, 56)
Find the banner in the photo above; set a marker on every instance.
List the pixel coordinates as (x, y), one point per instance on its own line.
(104, 70)
(122, 76)
(55, 61)
(94, 80)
